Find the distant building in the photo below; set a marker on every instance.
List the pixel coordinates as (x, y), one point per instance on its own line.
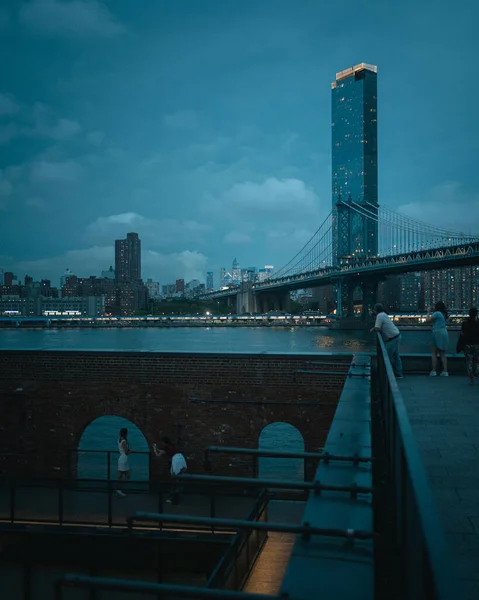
(180, 286)
(2, 277)
(209, 280)
(265, 273)
(110, 274)
(324, 299)
(65, 276)
(248, 274)
(9, 278)
(236, 272)
(193, 284)
(409, 292)
(88, 306)
(40, 306)
(222, 276)
(153, 288)
(389, 293)
(128, 259)
(458, 288)
(169, 290)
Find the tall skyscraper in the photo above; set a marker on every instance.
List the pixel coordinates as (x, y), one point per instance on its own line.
(128, 259)
(354, 163)
(209, 280)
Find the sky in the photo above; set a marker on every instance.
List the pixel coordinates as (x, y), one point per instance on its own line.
(205, 126)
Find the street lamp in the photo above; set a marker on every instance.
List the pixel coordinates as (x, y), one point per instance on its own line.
(218, 303)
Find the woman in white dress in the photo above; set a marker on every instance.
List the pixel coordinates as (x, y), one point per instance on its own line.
(123, 463)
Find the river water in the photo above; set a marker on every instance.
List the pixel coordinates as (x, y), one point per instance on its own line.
(102, 434)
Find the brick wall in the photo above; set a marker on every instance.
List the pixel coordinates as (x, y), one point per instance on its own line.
(48, 398)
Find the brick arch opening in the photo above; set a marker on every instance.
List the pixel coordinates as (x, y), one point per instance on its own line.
(281, 436)
(96, 455)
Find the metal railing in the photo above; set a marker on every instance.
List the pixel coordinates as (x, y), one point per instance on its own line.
(421, 562)
(105, 461)
(230, 574)
(309, 458)
(68, 502)
(160, 590)
(235, 566)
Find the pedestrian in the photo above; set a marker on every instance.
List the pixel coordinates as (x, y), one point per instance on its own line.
(469, 343)
(391, 337)
(123, 463)
(177, 464)
(440, 338)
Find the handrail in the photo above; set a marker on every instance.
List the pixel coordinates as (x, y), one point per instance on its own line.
(145, 587)
(76, 452)
(241, 541)
(59, 513)
(275, 454)
(256, 453)
(306, 530)
(424, 562)
(313, 486)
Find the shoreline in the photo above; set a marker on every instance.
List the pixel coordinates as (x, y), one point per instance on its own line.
(208, 325)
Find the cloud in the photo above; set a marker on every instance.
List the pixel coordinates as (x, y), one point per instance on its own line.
(47, 124)
(181, 119)
(167, 268)
(95, 138)
(4, 18)
(8, 105)
(451, 199)
(74, 18)
(273, 196)
(55, 172)
(6, 187)
(156, 232)
(37, 203)
(236, 237)
(7, 133)
(92, 260)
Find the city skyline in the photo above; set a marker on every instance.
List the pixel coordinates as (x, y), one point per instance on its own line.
(200, 174)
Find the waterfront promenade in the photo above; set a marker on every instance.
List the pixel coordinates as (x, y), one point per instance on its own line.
(444, 416)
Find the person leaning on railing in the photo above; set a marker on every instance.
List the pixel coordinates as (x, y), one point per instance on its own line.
(468, 343)
(438, 317)
(391, 337)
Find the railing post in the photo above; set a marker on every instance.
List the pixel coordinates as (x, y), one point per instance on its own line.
(108, 456)
(160, 506)
(213, 509)
(110, 504)
(255, 465)
(60, 502)
(12, 501)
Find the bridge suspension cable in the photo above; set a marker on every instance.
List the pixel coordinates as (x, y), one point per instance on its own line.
(316, 251)
(397, 234)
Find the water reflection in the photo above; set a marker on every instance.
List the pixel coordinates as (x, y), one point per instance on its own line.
(251, 339)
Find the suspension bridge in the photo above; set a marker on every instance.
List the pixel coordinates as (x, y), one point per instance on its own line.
(357, 245)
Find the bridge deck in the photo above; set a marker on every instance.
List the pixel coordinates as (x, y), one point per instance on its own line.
(444, 415)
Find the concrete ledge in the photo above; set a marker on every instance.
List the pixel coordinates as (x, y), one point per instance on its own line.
(326, 567)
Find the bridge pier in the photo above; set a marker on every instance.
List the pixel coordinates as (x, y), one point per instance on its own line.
(344, 299)
(246, 300)
(370, 292)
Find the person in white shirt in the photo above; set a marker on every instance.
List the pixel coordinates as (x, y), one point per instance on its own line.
(391, 337)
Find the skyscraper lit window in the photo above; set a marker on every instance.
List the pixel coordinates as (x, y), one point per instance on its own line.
(354, 163)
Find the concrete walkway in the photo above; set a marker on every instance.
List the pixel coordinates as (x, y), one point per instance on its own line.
(444, 415)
